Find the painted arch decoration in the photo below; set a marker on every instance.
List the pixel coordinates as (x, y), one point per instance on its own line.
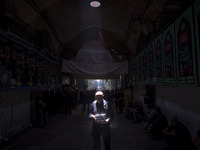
(29, 69)
(169, 70)
(197, 32)
(159, 60)
(151, 64)
(144, 65)
(186, 66)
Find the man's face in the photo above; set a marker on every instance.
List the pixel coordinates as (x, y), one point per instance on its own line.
(99, 98)
(173, 121)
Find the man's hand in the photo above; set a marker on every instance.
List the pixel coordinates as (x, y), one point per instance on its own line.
(104, 122)
(95, 118)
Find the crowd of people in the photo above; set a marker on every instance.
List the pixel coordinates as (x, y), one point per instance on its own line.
(47, 103)
(175, 133)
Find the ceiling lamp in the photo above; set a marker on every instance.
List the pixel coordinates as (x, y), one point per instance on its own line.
(95, 4)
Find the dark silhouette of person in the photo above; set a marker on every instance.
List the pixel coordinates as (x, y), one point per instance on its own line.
(119, 96)
(196, 139)
(156, 123)
(40, 106)
(148, 96)
(178, 136)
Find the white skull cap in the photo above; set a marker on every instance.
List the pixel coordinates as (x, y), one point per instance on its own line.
(99, 93)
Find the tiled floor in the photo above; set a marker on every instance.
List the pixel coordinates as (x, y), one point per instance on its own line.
(74, 133)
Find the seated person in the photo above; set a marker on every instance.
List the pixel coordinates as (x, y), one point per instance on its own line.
(196, 139)
(147, 114)
(137, 112)
(178, 136)
(129, 110)
(156, 123)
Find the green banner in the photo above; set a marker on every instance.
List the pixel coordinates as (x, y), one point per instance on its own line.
(197, 32)
(151, 63)
(169, 56)
(159, 60)
(135, 70)
(144, 64)
(130, 67)
(139, 64)
(28, 67)
(185, 49)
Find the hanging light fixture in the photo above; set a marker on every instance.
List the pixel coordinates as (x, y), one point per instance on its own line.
(95, 3)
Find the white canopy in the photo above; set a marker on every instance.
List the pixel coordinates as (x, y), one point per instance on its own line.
(94, 61)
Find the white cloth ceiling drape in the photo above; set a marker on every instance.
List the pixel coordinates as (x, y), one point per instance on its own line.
(94, 61)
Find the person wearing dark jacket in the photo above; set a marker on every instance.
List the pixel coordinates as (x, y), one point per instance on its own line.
(196, 139)
(178, 136)
(101, 113)
(156, 123)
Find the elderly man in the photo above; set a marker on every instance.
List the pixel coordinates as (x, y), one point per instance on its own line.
(101, 113)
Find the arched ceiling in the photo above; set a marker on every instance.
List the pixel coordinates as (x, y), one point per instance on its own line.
(59, 28)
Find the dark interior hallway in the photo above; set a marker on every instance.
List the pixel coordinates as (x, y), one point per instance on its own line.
(74, 133)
